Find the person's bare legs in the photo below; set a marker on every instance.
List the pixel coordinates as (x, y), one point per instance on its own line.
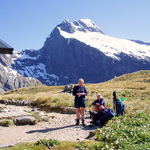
(83, 115)
(77, 115)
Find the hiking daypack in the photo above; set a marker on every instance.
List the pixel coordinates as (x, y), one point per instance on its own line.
(102, 116)
(119, 106)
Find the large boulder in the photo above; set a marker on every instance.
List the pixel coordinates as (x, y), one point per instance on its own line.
(68, 88)
(24, 120)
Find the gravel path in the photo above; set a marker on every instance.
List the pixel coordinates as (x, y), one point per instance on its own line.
(60, 127)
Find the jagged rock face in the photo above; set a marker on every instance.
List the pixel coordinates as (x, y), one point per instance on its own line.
(10, 79)
(73, 60)
(70, 58)
(141, 42)
(83, 25)
(80, 49)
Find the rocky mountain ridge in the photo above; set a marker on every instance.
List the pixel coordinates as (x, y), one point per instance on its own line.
(11, 79)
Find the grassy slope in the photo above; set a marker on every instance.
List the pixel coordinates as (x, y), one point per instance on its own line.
(130, 131)
(134, 87)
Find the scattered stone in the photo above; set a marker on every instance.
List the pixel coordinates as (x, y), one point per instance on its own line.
(45, 118)
(6, 102)
(27, 103)
(10, 102)
(7, 145)
(2, 101)
(91, 134)
(78, 140)
(68, 88)
(69, 110)
(16, 102)
(52, 117)
(34, 109)
(24, 120)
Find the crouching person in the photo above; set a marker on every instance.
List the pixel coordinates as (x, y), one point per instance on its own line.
(99, 103)
(101, 114)
(79, 91)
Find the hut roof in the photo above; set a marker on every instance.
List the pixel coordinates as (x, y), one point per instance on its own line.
(5, 48)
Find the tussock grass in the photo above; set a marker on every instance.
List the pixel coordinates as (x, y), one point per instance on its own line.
(135, 87)
(130, 131)
(27, 146)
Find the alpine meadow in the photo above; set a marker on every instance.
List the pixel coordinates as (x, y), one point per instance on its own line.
(130, 131)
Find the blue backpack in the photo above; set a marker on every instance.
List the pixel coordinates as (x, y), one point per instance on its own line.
(102, 116)
(119, 107)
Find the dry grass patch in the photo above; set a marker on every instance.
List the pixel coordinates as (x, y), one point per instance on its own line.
(134, 87)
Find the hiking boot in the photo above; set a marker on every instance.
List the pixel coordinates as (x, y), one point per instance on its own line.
(98, 122)
(77, 123)
(83, 122)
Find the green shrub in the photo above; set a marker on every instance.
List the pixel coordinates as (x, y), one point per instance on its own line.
(37, 116)
(26, 146)
(6, 123)
(81, 145)
(49, 143)
(11, 117)
(127, 133)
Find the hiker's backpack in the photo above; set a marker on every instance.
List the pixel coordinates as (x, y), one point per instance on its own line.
(119, 106)
(102, 116)
(107, 115)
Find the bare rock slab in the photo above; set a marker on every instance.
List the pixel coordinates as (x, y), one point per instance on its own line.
(25, 120)
(69, 110)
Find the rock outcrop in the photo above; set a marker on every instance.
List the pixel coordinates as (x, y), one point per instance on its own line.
(11, 79)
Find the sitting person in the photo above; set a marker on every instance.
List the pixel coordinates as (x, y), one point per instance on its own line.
(99, 103)
(101, 114)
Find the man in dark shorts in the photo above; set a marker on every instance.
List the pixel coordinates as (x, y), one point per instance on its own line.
(79, 91)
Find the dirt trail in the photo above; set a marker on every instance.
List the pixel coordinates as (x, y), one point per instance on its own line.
(60, 127)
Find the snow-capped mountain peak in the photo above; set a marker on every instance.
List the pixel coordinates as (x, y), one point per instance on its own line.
(88, 26)
(80, 49)
(82, 25)
(84, 30)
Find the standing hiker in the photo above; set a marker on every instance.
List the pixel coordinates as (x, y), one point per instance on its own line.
(79, 91)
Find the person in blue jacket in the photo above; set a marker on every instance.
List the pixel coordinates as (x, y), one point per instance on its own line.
(99, 103)
(79, 91)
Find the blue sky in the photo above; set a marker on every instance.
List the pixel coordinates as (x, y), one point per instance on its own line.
(26, 23)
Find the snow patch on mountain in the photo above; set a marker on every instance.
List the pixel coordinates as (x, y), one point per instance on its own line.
(88, 22)
(24, 55)
(27, 57)
(39, 71)
(9, 71)
(110, 46)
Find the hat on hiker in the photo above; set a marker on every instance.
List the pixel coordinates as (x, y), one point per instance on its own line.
(99, 95)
